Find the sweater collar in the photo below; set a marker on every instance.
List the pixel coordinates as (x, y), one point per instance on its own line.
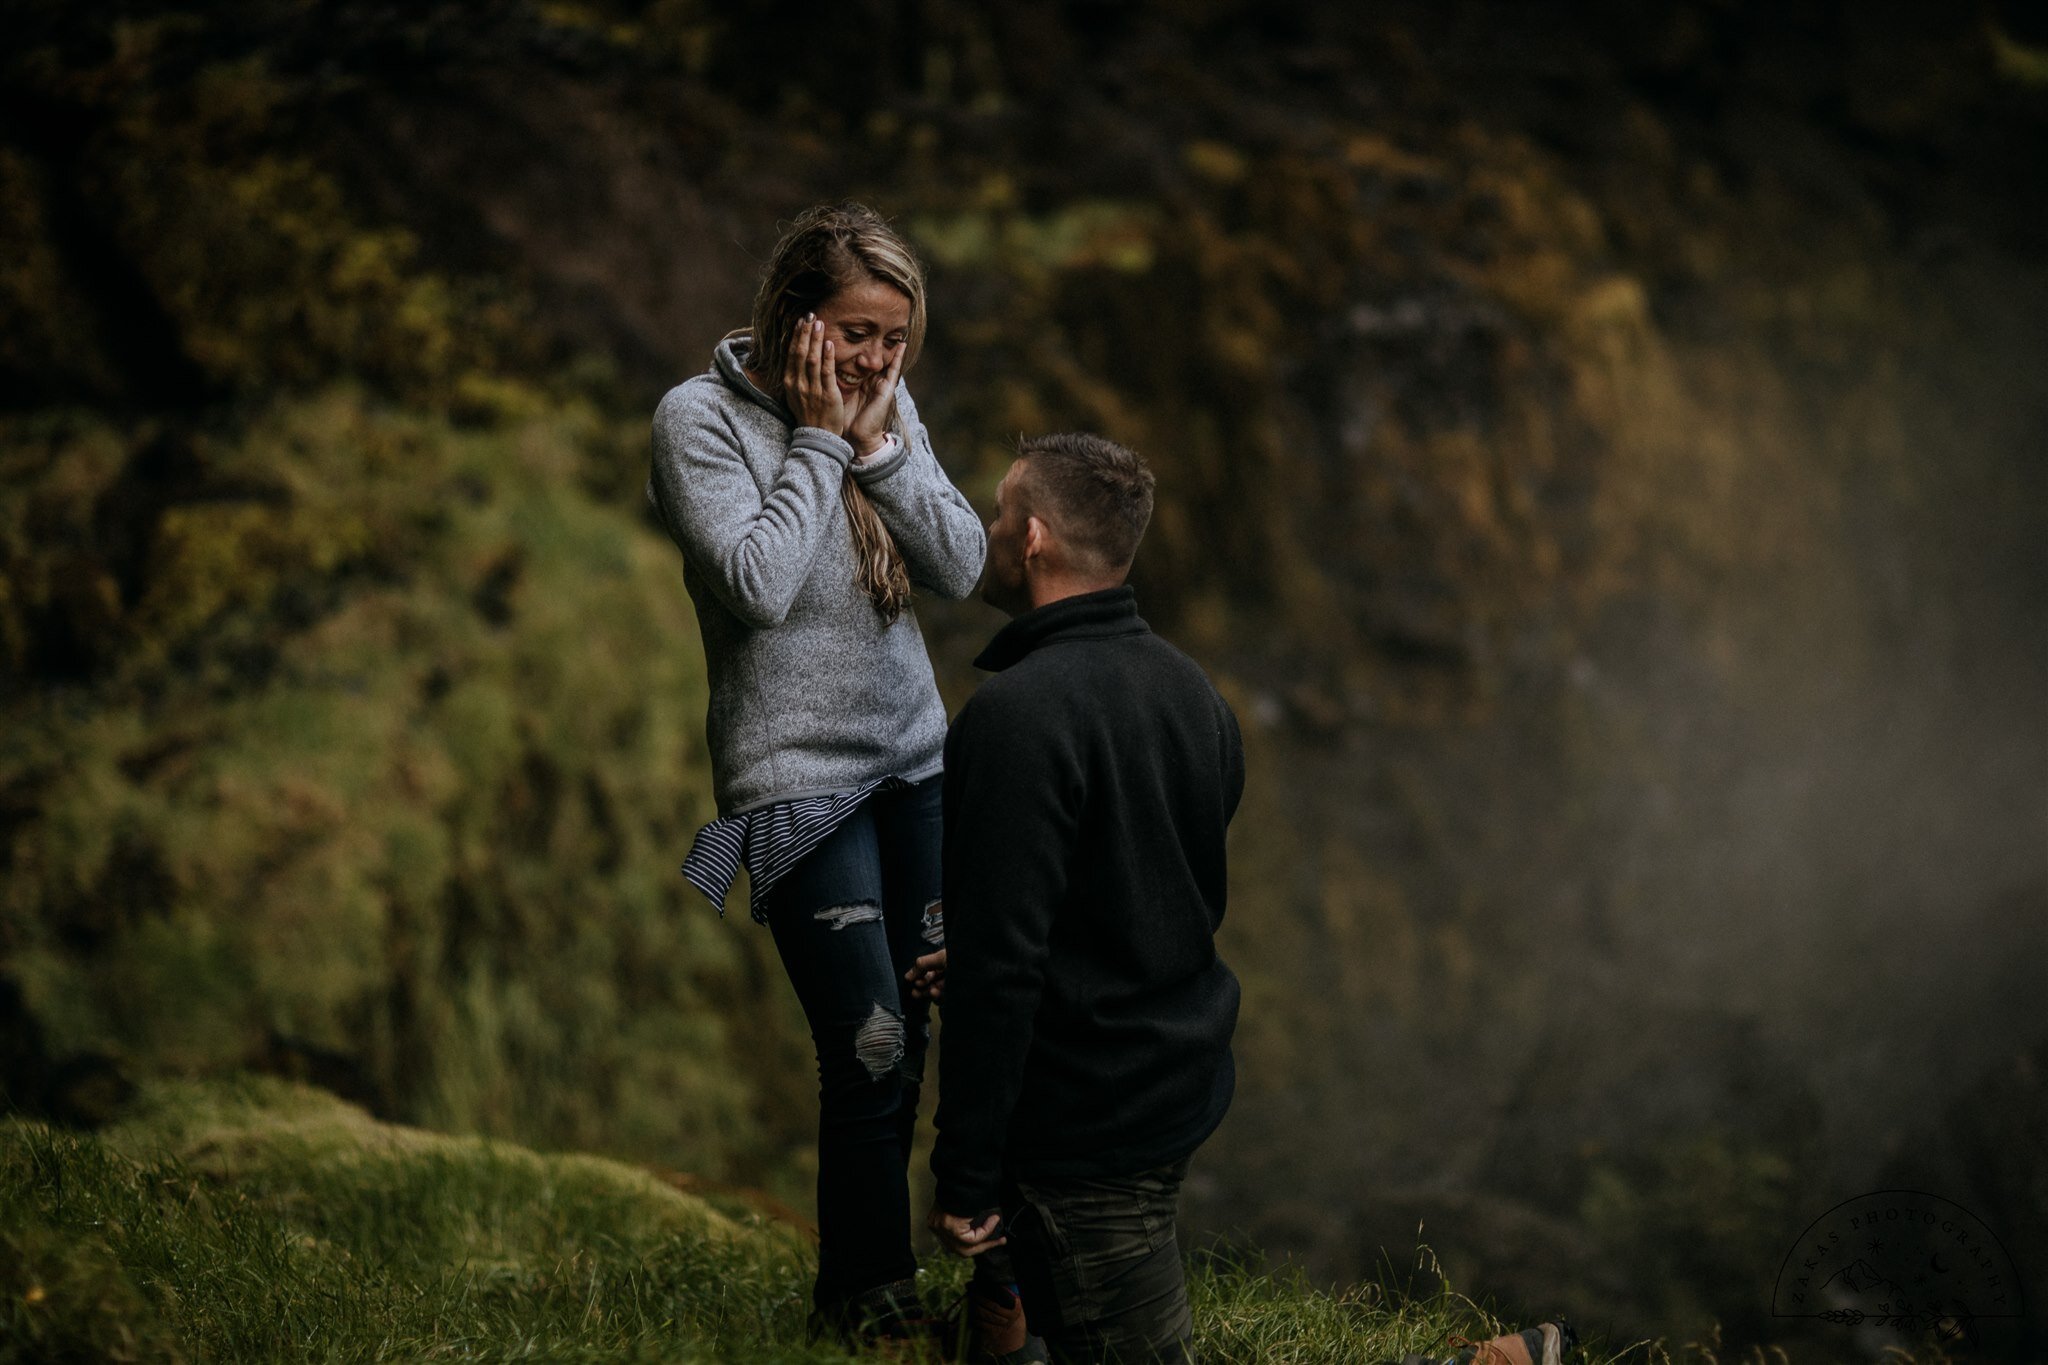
(1091, 616)
(730, 359)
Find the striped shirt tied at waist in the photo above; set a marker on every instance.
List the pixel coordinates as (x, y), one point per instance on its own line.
(770, 841)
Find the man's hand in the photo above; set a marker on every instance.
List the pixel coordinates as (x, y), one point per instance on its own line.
(927, 977)
(967, 1236)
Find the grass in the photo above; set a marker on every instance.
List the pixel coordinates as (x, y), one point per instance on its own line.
(263, 1222)
(253, 1220)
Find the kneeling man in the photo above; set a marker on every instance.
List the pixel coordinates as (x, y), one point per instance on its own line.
(1086, 1049)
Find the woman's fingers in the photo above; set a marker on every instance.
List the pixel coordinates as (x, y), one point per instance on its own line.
(883, 397)
(824, 383)
(814, 354)
(808, 384)
(877, 402)
(800, 388)
(885, 388)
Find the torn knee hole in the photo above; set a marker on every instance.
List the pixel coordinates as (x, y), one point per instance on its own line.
(837, 917)
(878, 1042)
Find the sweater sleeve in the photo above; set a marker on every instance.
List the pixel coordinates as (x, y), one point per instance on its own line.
(1013, 799)
(754, 551)
(932, 522)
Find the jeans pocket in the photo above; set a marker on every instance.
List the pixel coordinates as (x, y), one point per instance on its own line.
(1158, 1223)
(1159, 1202)
(1052, 1231)
(1109, 1224)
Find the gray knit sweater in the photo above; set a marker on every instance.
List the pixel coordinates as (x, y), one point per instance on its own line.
(810, 690)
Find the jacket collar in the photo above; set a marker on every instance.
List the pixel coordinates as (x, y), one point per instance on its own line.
(1091, 616)
(730, 360)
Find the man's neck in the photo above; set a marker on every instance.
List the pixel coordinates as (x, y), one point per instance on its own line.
(1059, 587)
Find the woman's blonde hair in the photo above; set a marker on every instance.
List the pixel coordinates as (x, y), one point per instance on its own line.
(827, 249)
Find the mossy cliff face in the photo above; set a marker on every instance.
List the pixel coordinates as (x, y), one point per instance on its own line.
(1598, 459)
(338, 740)
(374, 774)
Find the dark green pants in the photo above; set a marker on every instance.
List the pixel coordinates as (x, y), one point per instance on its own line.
(1100, 1269)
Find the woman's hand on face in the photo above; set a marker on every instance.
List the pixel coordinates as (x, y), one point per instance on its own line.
(810, 384)
(870, 425)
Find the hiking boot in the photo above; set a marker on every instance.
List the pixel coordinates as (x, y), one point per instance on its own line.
(1547, 1343)
(890, 1317)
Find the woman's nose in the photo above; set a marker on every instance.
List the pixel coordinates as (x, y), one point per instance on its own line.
(869, 357)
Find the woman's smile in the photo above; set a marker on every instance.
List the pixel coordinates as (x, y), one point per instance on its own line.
(867, 322)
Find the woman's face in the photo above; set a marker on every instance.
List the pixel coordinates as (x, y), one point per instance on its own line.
(867, 323)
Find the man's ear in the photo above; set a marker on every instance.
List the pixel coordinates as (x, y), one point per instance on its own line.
(1037, 539)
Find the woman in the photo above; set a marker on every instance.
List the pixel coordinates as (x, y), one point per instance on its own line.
(803, 492)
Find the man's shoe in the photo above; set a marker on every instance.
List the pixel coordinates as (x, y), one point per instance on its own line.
(1547, 1343)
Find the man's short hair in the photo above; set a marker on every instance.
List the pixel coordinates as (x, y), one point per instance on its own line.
(1096, 494)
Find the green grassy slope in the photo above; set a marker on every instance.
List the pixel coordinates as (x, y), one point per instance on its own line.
(258, 1220)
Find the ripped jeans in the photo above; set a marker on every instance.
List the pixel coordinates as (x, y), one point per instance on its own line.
(848, 921)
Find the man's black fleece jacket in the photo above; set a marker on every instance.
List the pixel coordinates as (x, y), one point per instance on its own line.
(1087, 1018)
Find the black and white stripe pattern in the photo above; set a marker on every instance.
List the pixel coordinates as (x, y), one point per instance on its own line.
(770, 841)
